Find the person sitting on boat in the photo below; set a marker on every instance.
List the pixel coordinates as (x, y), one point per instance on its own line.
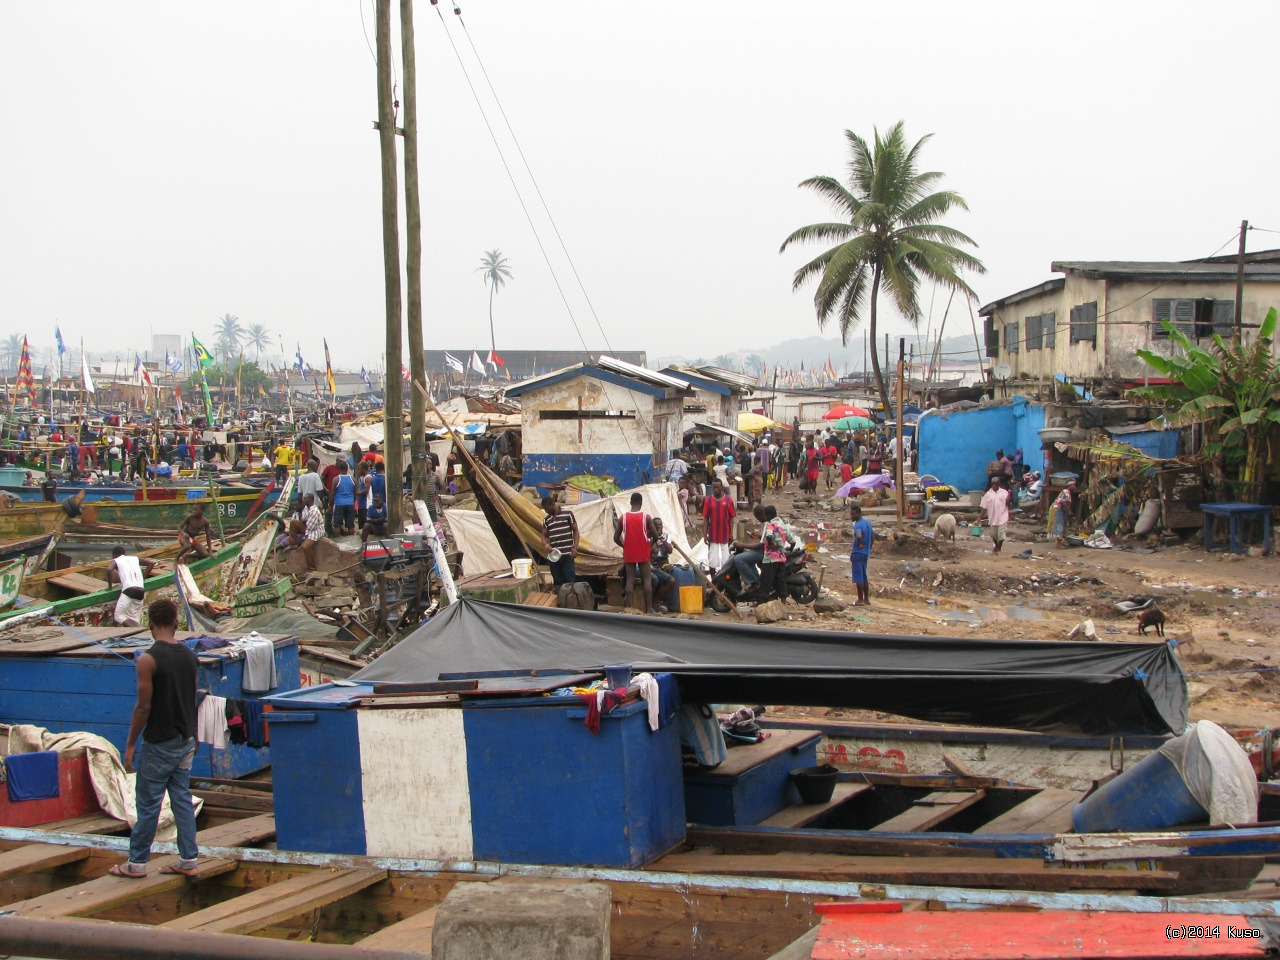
(375, 523)
(129, 572)
(49, 489)
(194, 526)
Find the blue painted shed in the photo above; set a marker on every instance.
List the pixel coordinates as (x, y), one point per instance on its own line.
(606, 418)
(93, 688)
(502, 778)
(956, 446)
(1162, 444)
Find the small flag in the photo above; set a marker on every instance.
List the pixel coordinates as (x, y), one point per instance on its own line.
(453, 363)
(177, 400)
(140, 372)
(302, 367)
(404, 373)
(328, 371)
(364, 377)
(829, 369)
(172, 362)
(496, 361)
(24, 373)
(84, 370)
(57, 333)
(203, 356)
(262, 391)
(476, 365)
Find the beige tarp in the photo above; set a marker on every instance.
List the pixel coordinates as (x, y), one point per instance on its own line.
(595, 519)
(481, 552)
(111, 784)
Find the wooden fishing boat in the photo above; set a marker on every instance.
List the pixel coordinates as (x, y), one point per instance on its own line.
(31, 520)
(232, 512)
(119, 490)
(11, 575)
(33, 551)
(66, 582)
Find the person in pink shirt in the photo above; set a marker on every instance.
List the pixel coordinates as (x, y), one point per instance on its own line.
(995, 508)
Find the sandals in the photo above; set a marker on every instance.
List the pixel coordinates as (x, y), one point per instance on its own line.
(179, 869)
(127, 871)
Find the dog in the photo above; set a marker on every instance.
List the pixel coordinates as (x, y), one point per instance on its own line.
(1151, 618)
(944, 527)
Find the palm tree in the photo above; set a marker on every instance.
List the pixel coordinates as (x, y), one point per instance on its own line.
(229, 334)
(494, 267)
(258, 336)
(888, 236)
(11, 353)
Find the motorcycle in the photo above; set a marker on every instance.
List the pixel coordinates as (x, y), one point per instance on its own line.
(795, 582)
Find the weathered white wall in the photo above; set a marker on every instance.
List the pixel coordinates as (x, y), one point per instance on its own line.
(413, 769)
(612, 436)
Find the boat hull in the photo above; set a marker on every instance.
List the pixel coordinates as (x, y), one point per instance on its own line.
(233, 511)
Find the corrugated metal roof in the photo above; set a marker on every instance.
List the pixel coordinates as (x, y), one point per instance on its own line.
(739, 381)
(1165, 270)
(1049, 286)
(641, 373)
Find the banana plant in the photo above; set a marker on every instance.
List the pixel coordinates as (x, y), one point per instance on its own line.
(1232, 389)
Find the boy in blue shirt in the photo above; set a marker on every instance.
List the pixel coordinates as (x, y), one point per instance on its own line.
(375, 520)
(860, 553)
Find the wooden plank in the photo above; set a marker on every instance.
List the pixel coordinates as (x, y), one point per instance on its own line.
(38, 856)
(852, 843)
(970, 872)
(929, 811)
(106, 892)
(279, 901)
(79, 583)
(94, 823)
(805, 813)
(411, 933)
(42, 645)
(1036, 814)
(742, 759)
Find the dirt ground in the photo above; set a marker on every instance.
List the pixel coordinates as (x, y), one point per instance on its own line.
(1223, 610)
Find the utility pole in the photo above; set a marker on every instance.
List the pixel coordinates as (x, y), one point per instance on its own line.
(393, 417)
(413, 251)
(1244, 229)
(902, 350)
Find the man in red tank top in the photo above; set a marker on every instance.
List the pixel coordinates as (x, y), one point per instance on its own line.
(635, 532)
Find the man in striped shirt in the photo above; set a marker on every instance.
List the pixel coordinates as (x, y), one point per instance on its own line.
(560, 532)
(719, 511)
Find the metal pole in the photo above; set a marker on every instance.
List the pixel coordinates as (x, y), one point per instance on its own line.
(94, 940)
(1244, 229)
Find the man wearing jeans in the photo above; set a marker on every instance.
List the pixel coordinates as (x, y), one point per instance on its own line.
(165, 716)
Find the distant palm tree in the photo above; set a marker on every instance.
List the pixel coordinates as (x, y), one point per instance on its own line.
(258, 336)
(11, 353)
(229, 334)
(887, 236)
(496, 272)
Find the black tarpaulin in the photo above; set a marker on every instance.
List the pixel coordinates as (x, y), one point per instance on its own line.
(1046, 685)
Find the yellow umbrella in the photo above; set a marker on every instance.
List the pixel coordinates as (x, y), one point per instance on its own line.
(754, 422)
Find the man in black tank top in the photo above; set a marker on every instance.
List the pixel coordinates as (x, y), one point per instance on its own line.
(165, 716)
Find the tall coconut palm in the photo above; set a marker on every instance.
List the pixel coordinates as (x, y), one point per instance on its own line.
(229, 334)
(888, 237)
(496, 272)
(257, 336)
(11, 353)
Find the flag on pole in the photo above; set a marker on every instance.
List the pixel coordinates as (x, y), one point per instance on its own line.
(476, 365)
(177, 400)
(57, 333)
(84, 370)
(404, 373)
(364, 377)
(139, 371)
(172, 362)
(453, 363)
(829, 369)
(328, 372)
(24, 373)
(496, 361)
(302, 367)
(262, 391)
(203, 356)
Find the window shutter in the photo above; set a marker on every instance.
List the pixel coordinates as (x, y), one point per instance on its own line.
(1031, 338)
(1049, 330)
(992, 337)
(1184, 316)
(1011, 337)
(1224, 318)
(1161, 309)
(1084, 323)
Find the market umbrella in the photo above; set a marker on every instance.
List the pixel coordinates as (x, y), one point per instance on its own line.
(872, 481)
(845, 410)
(852, 423)
(754, 423)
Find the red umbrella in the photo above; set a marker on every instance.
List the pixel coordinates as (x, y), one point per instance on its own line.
(845, 410)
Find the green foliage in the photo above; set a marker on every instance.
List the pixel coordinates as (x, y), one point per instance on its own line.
(229, 335)
(251, 376)
(1233, 390)
(888, 237)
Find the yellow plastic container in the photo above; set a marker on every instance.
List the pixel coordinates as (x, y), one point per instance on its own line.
(691, 599)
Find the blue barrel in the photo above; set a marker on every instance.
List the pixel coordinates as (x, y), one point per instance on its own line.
(685, 577)
(1148, 796)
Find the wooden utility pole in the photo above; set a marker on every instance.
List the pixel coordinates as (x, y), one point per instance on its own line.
(1244, 229)
(902, 350)
(413, 251)
(393, 422)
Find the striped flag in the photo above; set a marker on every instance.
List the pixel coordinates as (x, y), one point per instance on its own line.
(328, 372)
(24, 373)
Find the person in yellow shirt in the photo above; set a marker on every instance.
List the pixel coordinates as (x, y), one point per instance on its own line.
(285, 457)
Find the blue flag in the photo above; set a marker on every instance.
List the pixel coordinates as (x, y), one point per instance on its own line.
(62, 347)
(365, 377)
(302, 367)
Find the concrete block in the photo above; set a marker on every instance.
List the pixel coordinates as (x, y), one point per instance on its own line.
(529, 919)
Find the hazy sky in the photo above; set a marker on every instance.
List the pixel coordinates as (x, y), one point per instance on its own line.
(164, 163)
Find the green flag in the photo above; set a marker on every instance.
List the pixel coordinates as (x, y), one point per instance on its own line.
(203, 356)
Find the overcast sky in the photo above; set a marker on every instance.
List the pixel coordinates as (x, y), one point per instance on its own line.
(163, 163)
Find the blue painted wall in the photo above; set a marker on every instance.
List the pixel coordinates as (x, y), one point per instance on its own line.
(1154, 443)
(957, 447)
(97, 694)
(628, 470)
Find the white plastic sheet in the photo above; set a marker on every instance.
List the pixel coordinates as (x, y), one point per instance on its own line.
(481, 552)
(1216, 771)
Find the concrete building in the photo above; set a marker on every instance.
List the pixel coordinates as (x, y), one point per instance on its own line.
(717, 395)
(1089, 323)
(608, 418)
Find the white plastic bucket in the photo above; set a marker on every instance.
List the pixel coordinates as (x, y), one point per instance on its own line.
(522, 569)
